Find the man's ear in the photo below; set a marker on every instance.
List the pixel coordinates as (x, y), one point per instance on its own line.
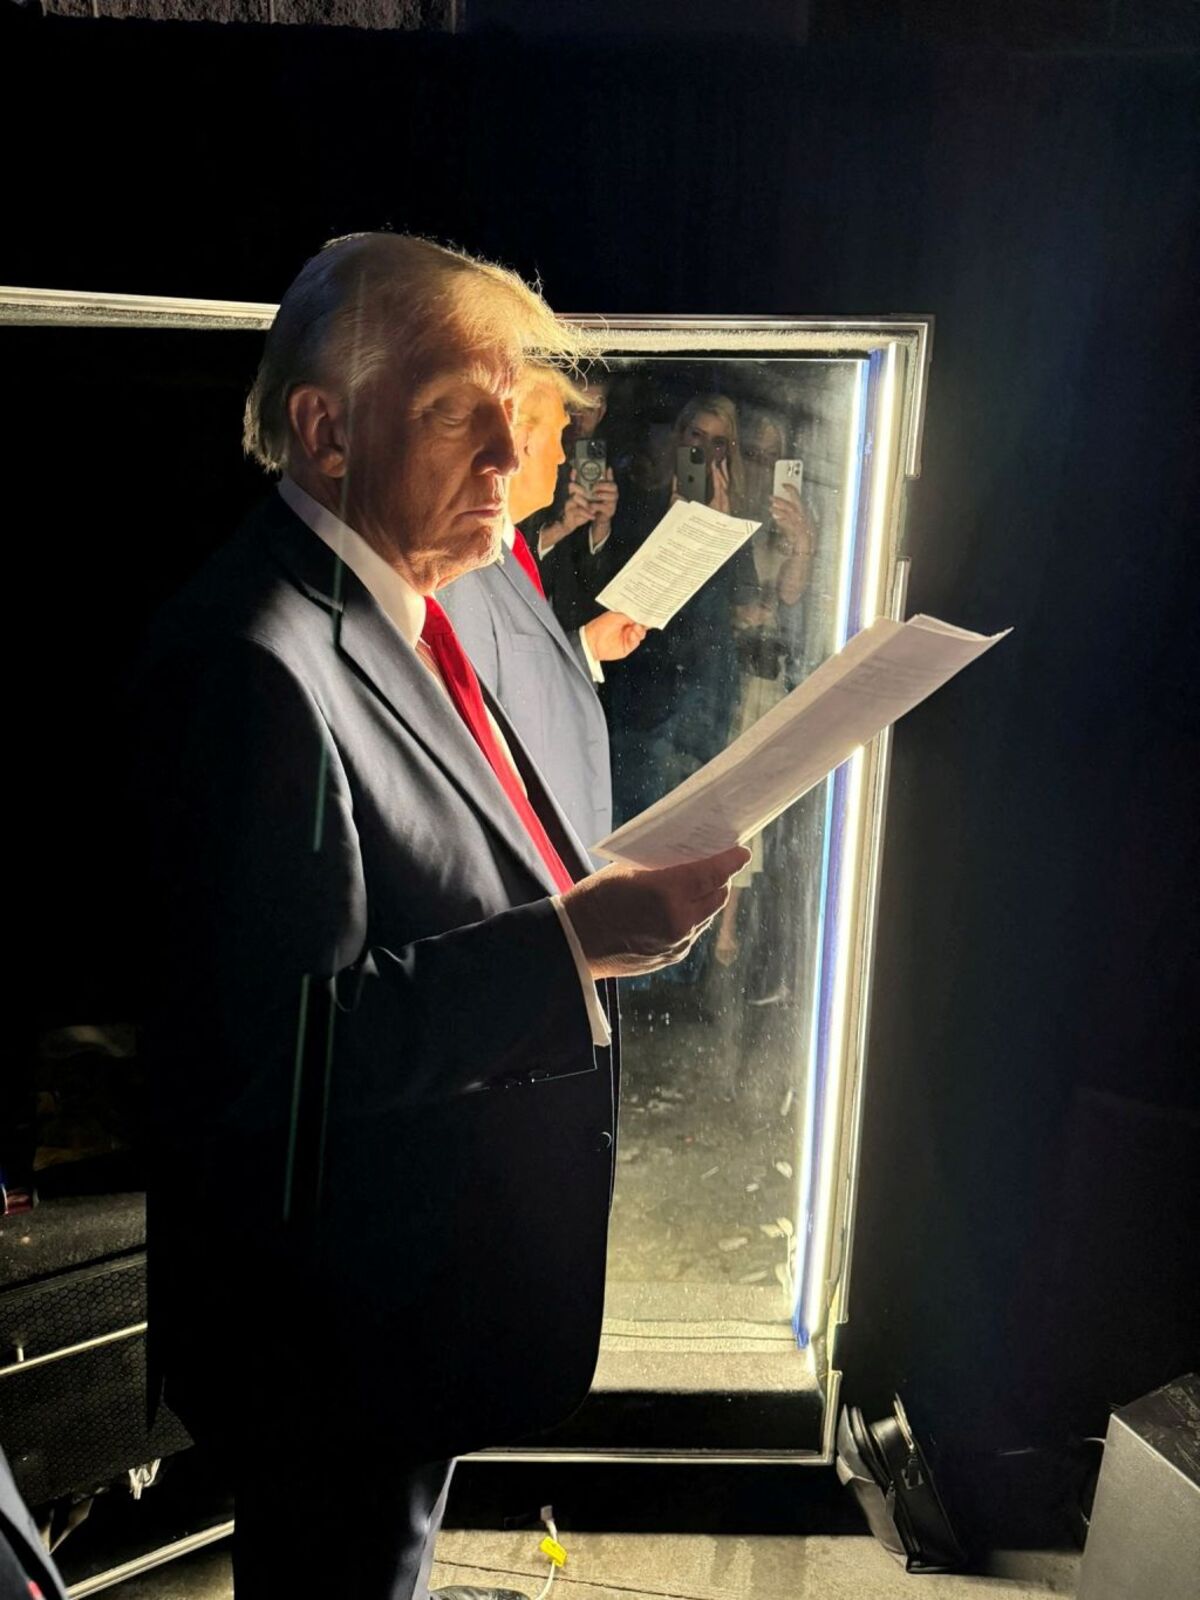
(318, 421)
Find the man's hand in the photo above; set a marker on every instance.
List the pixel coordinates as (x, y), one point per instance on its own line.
(631, 920)
(575, 513)
(612, 636)
(604, 507)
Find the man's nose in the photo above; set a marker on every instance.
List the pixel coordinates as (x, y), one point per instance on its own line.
(499, 450)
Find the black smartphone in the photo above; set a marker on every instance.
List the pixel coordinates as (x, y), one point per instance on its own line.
(590, 462)
(691, 473)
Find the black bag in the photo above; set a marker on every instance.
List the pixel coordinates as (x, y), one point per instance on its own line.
(884, 1465)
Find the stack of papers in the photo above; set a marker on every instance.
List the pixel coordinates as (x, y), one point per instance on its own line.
(681, 554)
(883, 672)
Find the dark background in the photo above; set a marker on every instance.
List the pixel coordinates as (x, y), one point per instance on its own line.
(1026, 1243)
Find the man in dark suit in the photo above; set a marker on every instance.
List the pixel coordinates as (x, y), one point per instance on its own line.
(543, 677)
(382, 1030)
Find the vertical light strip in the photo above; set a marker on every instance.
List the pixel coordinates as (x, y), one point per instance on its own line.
(830, 1122)
(807, 1165)
(881, 477)
(852, 498)
(807, 1162)
(826, 1123)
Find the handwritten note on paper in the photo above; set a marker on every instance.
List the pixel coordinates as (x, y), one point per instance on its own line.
(883, 672)
(685, 549)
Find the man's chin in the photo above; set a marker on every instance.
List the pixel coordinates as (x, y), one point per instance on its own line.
(494, 547)
(484, 551)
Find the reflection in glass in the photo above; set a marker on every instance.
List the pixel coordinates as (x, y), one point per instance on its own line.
(718, 1113)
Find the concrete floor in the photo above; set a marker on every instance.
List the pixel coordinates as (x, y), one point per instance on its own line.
(674, 1567)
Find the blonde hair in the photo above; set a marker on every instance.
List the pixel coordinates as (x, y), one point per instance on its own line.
(368, 300)
(719, 405)
(538, 375)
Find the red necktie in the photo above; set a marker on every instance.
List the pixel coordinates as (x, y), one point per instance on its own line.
(525, 556)
(459, 677)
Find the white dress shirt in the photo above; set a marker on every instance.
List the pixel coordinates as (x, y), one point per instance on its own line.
(404, 608)
(594, 544)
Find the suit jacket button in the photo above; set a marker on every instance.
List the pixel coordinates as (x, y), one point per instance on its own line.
(603, 1142)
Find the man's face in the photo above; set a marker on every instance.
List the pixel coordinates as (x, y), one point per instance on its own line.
(429, 466)
(539, 428)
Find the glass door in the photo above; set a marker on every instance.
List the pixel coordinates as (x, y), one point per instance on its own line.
(742, 1067)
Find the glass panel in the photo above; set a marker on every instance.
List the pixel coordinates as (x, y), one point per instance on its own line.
(722, 1054)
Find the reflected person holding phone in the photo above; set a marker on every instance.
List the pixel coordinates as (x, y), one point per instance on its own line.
(572, 538)
(768, 613)
(708, 466)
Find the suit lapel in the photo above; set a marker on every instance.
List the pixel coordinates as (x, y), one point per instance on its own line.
(563, 837)
(363, 635)
(509, 571)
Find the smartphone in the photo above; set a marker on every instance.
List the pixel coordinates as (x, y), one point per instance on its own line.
(788, 472)
(590, 462)
(691, 473)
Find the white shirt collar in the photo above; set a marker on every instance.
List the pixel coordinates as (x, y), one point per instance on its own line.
(395, 596)
(507, 532)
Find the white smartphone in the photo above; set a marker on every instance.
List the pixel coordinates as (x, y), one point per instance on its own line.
(788, 472)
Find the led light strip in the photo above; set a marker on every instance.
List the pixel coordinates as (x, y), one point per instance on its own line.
(829, 1049)
(807, 1165)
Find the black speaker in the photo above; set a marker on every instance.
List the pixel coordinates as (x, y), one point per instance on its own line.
(72, 1346)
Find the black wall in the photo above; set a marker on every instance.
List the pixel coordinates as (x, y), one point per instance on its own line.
(1028, 1206)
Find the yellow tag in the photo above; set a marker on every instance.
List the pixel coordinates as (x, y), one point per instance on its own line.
(551, 1547)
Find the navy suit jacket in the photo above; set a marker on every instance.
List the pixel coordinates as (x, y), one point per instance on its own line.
(541, 678)
(383, 1127)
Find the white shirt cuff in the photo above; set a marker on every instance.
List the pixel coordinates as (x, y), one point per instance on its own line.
(601, 1032)
(594, 667)
(595, 544)
(542, 546)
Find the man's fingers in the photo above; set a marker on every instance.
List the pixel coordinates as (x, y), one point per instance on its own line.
(703, 911)
(718, 869)
(698, 880)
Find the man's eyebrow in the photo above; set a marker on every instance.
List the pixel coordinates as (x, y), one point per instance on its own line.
(495, 379)
(499, 377)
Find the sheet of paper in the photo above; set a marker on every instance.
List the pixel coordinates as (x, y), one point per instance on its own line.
(689, 544)
(883, 672)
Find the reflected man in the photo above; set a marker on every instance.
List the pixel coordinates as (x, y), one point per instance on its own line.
(544, 677)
